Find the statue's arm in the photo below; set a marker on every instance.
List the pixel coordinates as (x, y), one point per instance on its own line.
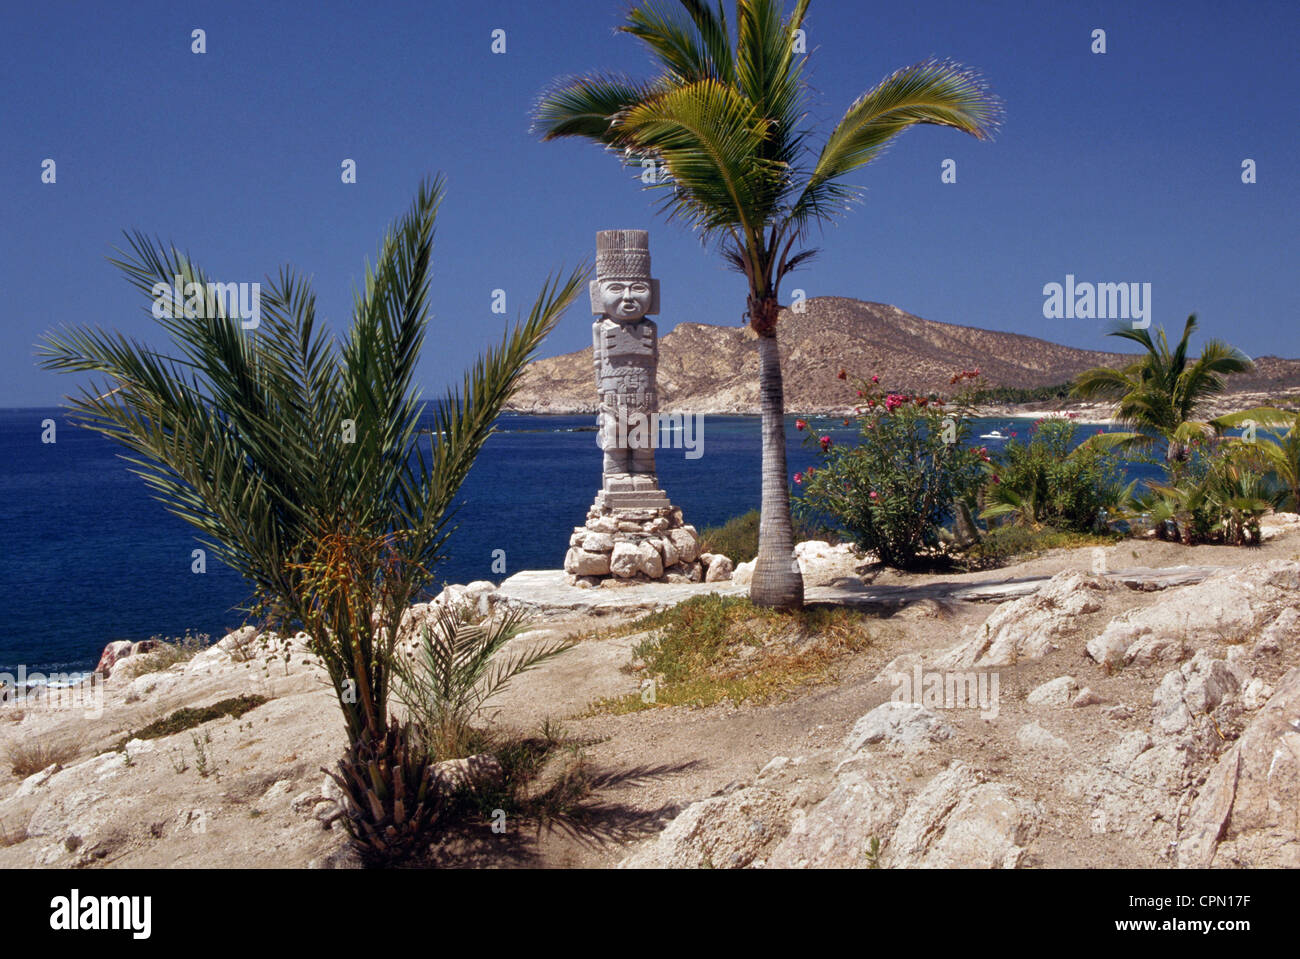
(595, 351)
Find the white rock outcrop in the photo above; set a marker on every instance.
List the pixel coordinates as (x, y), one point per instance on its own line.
(1029, 628)
(1229, 606)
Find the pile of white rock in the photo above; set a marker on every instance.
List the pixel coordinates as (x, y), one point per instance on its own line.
(640, 545)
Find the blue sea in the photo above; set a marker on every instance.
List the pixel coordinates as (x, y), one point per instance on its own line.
(89, 556)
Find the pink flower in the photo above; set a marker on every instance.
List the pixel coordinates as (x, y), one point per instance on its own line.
(826, 443)
(798, 478)
(875, 379)
(800, 425)
(874, 495)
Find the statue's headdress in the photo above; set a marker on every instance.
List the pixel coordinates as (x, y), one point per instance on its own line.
(623, 255)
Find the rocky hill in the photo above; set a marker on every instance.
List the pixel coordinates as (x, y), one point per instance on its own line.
(714, 369)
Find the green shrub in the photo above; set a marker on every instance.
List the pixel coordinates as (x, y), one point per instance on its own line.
(1010, 542)
(891, 492)
(169, 652)
(189, 717)
(1022, 394)
(1219, 497)
(737, 538)
(1049, 481)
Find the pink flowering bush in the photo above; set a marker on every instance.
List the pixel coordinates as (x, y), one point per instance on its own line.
(892, 491)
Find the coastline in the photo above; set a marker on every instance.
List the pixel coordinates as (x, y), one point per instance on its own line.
(1085, 413)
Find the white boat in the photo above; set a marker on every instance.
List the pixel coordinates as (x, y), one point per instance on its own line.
(995, 435)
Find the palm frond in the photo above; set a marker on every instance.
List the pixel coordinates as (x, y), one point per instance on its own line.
(1101, 383)
(931, 92)
(769, 73)
(1259, 415)
(707, 135)
(690, 49)
(589, 107)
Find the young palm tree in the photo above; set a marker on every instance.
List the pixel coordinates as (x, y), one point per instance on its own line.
(724, 120)
(1227, 499)
(1278, 454)
(455, 667)
(297, 459)
(1161, 392)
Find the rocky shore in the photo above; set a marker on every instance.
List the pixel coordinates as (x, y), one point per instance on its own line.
(1132, 706)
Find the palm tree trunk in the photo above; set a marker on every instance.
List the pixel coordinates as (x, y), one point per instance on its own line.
(777, 580)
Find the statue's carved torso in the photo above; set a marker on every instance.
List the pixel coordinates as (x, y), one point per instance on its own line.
(626, 357)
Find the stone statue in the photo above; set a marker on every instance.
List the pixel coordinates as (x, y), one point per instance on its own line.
(633, 532)
(625, 353)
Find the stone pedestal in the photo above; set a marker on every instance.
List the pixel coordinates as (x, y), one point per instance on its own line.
(633, 536)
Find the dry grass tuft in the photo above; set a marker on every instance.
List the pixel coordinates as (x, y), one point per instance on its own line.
(715, 648)
(29, 757)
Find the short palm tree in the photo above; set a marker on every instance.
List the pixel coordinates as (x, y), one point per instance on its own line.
(457, 664)
(724, 120)
(1227, 499)
(297, 458)
(1161, 392)
(1278, 453)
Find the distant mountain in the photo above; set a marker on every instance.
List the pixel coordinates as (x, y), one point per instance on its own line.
(714, 369)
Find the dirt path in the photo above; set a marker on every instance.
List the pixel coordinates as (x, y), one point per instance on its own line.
(655, 762)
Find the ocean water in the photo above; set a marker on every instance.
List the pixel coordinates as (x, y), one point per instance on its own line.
(89, 556)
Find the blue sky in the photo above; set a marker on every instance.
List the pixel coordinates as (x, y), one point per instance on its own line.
(1122, 167)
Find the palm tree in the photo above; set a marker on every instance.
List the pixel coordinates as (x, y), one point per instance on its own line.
(455, 667)
(1228, 498)
(297, 459)
(1161, 392)
(1279, 454)
(725, 121)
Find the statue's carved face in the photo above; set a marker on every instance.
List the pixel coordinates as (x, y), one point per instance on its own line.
(625, 300)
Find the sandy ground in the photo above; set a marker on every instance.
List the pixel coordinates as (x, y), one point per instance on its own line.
(226, 798)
